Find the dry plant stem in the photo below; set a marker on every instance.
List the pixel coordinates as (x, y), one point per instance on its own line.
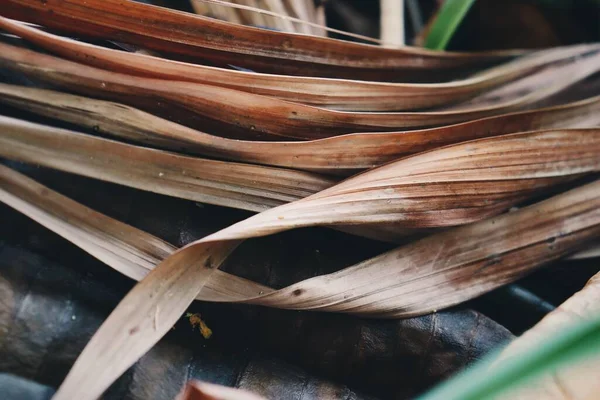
(575, 382)
(469, 260)
(340, 154)
(333, 93)
(260, 115)
(392, 22)
(206, 38)
(278, 10)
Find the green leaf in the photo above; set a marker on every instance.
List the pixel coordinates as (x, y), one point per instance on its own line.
(449, 18)
(485, 381)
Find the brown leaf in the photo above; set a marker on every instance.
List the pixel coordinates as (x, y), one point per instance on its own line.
(225, 43)
(247, 115)
(244, 186)
(444, 187)
(402, 357)
(179, 271)
(337, 94)
(340, 154)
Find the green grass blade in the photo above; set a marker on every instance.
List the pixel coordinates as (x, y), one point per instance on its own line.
(485, 382)
(449, 18)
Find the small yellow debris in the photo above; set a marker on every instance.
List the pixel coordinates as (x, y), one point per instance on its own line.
(196, 320)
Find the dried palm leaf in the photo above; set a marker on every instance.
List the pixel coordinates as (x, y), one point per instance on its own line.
(334, 93)
(571, 382)
(243, 186)
(222, 42)
(128, 250)
(253, 115)
(568, 220)
(431, 189)
(414, 352)
(340, 154)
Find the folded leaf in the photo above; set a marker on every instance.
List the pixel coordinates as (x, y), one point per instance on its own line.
(204, 38)
(444, 187)
(568, 221)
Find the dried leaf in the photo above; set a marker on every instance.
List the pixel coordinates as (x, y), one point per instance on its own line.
(340, 154)
(574, 207)
(222, 42)
(427, 190)
(416, 349)
(246, 115)
(337, 94)
(244, 186)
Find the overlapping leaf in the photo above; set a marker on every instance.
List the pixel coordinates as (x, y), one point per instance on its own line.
(339, 94)
(454, 185)
(340, 154)
(426, 341)
(487, 253)
(248, 115)
(245, 186)
(198, 37)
